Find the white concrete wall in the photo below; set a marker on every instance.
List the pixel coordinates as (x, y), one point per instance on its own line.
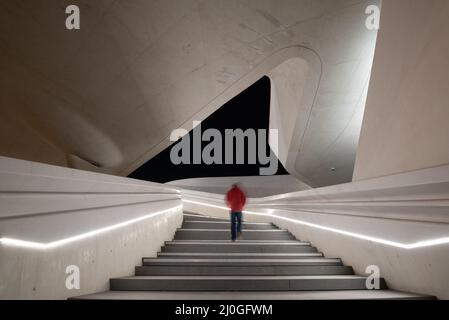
(406, 118)
(112, 92)
(292, 91)
(399, 223)
(103, 224)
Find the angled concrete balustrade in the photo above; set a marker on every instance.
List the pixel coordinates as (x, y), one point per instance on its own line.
(53, 217)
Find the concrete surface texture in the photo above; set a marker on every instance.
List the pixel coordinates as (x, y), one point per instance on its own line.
(53, 217)
(406, 119)
(106, 97)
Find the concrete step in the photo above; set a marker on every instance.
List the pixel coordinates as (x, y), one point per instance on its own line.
(240, 283)
(255, 295)
(195, 217)
(240, 248)
(240, 262)
(225, 225)
(225, 234)
(239, 242)
(182, 269)
(214, 255)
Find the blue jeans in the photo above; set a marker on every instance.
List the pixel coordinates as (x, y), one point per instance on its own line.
(236, 224)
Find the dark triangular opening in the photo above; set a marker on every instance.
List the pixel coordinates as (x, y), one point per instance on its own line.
(249, 110)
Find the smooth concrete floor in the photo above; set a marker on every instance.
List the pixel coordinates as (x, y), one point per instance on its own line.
(298, 295)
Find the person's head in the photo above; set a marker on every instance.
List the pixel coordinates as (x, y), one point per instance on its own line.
(236, 185)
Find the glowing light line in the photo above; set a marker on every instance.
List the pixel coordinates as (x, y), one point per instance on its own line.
(54, 244)
(408, 246)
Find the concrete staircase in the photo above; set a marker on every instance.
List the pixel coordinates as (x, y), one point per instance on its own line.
(269, 263)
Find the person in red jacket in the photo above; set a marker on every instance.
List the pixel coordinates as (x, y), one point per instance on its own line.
(235, 200)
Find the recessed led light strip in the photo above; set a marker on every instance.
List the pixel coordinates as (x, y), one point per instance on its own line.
(408, 246)
(49, 245)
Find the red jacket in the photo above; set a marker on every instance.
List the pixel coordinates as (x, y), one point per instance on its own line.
(235, 199)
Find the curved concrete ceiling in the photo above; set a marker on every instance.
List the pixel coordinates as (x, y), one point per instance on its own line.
(110, 94)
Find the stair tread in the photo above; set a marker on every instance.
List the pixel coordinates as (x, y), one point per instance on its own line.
(243, 242)
(227, 222)
(246, 260)
(254, 295)
(204, 217)
(242, 270)
(237, 254)
(227, 230)
(249, 278)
